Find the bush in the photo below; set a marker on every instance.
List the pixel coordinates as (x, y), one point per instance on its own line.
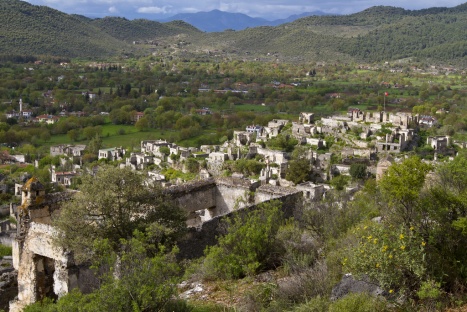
(358, 302)
(246, 166)
(395, 257)
(317, 304)
(339, 182)
(249, 245)
(5, 251)
(192, 165)
(298, 171)
(358, 171)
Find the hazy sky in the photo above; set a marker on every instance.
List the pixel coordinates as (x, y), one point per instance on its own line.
(268, 9)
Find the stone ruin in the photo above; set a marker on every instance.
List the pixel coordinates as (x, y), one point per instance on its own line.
(44, 270)
(47, 271)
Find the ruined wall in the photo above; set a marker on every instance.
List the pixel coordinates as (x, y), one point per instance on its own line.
(43, 267)
(195, 196)
(204, 200)
(197, 239)
(230, 197)
(268, 192)
(45, 270)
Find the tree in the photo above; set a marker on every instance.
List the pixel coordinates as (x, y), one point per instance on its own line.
(340, 182)
(192, 165)
(112, 205)
(146, 281)
(249, 245)
(401, 186)
(142, 124)
(73, 134)
(45, 135)
(298, 171)
(91, 132)
(358, 171)
(95, 144)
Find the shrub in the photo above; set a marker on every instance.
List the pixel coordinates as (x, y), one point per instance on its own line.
(317, 304)
(358, 302)
(248, 246)
(357, 171)
(5, 251)
(394, 257)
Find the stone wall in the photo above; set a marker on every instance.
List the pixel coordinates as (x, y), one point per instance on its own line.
(194, 196)
(230, 196)
(45, 270)
(8, 286)
(197, 239)
(4, 210)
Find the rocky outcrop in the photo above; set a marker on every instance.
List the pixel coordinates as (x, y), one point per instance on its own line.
(350, 284)
(8, 283)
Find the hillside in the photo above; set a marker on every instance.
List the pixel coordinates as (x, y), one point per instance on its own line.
(29, 29)
(35, 30)
(379, 33)
(140, 29)
(376, 34)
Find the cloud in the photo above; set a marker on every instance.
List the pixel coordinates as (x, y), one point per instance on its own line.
(269, 9)
(155, 10)
(191, 10)
(113, 10)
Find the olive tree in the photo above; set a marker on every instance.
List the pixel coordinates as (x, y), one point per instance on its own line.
(112, 205)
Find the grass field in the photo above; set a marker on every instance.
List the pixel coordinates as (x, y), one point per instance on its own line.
(116, 135)
(251, 108)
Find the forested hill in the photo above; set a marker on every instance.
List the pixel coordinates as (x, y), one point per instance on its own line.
(36, 30)
(437, 33)
(377, 34)
(29, 29)
(141, 29)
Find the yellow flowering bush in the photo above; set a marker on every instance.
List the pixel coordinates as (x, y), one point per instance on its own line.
(394, 257)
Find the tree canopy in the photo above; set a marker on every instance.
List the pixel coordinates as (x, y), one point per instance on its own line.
(112, 205)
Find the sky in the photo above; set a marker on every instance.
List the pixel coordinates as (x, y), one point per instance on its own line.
(267, 9)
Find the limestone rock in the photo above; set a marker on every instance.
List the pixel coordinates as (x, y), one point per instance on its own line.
(349, 284)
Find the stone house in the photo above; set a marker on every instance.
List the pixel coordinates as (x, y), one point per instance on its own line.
(44, 270)
(438, 142)
(301, 131)
(139, 161)
(383, 166)
(306, 118)
(153, 147)
(340, 169)
(320, 143)
(67, 150)
(218, 157)
(63, 178)
(243, 138)
(427, 121)
(273, 129)
(311, 191)
(111, 154)
(135, 117)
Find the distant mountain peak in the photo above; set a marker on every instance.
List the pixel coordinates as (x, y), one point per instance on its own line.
(217, 20)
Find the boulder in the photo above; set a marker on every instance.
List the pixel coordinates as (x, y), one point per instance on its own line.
(350, 284)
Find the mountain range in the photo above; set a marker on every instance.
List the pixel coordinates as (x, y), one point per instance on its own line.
(215, 20)
(376, 34)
